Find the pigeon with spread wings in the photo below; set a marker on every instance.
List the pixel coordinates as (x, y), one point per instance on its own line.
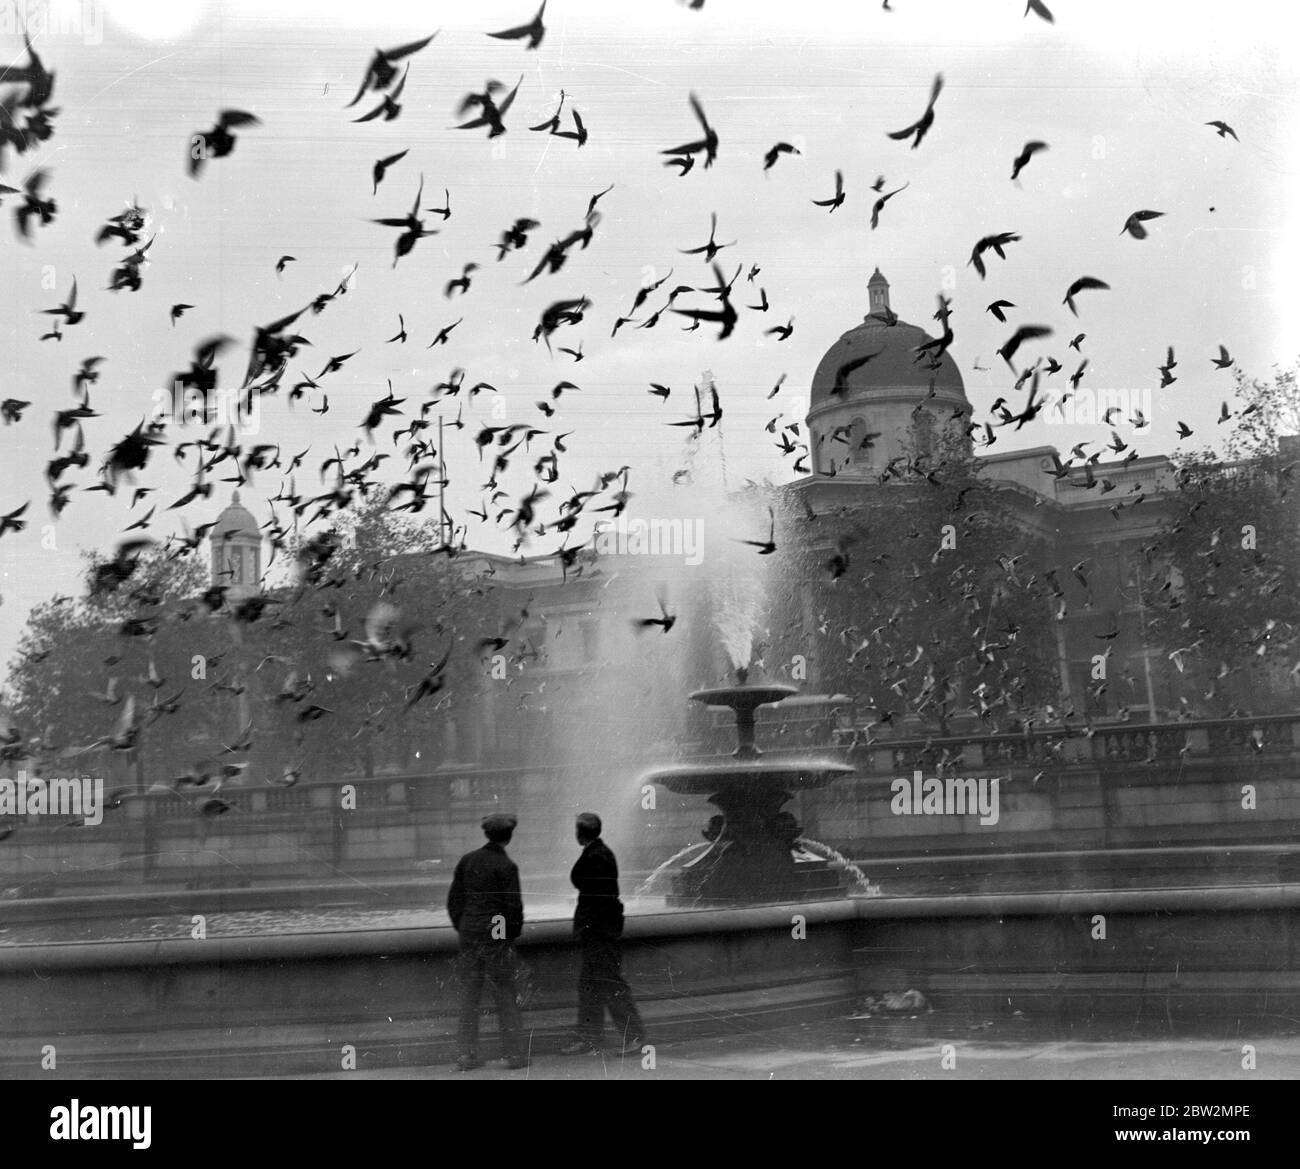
(534, 31)
(708, 145)
(492, 114)
(382, 70)
(769, 159)
(1081, 285)
(997, 243)
(1022, 159)
(412, 227)
(34, 203)
(922, 125)
(837, 199)
(768, 546)
(218, 142)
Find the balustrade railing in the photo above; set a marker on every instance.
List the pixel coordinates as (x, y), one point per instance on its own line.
(471, 787)
(1056, 747)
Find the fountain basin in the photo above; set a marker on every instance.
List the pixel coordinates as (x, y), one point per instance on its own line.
(288, 1004)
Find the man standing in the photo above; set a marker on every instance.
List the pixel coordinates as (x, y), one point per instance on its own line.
(598, 925)
(486, 907)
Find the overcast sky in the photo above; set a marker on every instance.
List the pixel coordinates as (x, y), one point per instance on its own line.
(1120, 91)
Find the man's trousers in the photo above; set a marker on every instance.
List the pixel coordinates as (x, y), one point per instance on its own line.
(495, 962)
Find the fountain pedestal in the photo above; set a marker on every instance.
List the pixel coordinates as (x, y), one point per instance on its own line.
(751, 857)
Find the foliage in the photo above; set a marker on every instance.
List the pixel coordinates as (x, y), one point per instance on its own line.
(927, 599)
(1225, 597)
(317, 675)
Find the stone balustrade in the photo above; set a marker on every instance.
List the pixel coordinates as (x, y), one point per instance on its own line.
(1054, 747)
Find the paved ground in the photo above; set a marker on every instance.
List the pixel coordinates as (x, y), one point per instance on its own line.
(885, 1049)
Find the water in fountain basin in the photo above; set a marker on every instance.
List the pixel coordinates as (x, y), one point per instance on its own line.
(862, 885)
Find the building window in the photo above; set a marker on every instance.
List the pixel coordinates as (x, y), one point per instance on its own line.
(858, 455)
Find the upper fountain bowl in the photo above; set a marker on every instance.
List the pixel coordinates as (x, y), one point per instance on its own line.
(748, 697)
(747, 768)
(743, 699)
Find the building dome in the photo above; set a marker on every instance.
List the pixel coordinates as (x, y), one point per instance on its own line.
(875, 399)
(236, 550)
(236, 520)
(896, 367)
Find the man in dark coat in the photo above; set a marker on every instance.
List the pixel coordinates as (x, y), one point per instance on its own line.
(598, 925)
(486, 907)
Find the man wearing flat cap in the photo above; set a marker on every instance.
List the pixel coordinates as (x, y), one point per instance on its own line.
(598, 925)
(486, 907)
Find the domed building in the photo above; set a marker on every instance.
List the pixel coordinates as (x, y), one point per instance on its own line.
(881, 396)
(236, 550)
(877, 395)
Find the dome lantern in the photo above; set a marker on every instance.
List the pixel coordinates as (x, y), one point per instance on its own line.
(878, 294)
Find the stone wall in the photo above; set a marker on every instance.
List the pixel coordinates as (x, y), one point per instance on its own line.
(242, 1006)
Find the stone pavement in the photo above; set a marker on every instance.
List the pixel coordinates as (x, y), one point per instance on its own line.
(899, 1049)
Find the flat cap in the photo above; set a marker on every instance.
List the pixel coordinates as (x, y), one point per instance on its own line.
(500, 822)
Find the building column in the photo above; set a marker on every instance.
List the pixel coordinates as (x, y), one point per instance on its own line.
(1062, 657)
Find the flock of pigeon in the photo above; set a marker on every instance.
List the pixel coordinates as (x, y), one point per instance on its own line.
(28, 119)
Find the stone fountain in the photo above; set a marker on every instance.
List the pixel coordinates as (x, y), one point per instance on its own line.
(751, 856)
